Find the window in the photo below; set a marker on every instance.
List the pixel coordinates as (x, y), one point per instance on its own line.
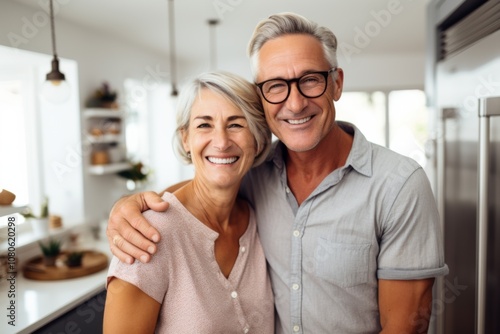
(13, 169)
(397, 119)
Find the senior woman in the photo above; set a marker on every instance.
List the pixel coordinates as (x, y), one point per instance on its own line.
(209, 275)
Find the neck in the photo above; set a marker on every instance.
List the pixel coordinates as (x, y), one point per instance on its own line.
(213, 207)
(306, 170)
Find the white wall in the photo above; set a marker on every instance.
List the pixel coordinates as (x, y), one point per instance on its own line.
(99, 58)
(104, 58)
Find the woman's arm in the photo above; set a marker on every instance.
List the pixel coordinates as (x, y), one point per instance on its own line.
(128, 309)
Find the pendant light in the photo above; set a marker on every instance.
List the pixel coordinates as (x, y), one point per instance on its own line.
(173, 63)
(55, 89)
(213, 44)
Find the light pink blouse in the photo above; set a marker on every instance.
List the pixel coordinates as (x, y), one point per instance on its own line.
(185, 278)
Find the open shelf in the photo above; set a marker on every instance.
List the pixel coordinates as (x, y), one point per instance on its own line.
(109, 168)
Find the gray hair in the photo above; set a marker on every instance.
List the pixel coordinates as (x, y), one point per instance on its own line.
(286, 24)
(240, 93)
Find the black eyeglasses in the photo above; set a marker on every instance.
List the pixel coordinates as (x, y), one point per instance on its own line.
(310, 85)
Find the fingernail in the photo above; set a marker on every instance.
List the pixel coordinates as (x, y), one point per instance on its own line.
(144, 259)
(130, 260)
(151, 250)
(156, 237)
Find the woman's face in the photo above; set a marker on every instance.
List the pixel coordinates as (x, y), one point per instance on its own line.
(221, 145)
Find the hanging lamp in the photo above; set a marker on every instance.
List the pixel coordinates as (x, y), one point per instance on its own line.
(213, 43)
(173, 63)
(55, 88)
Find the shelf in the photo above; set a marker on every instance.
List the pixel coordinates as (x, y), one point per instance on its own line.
(109, 168)
(107, 138)
(10, 209)
(103, 112)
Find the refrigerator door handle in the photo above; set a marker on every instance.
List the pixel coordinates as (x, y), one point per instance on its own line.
(488, 107)
(445, 114)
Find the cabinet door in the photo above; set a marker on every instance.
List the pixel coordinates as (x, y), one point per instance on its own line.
(85, 318)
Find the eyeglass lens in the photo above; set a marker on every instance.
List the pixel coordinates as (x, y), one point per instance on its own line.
(310, 85)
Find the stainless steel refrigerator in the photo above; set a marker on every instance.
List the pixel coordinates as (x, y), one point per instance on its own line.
(464, 89)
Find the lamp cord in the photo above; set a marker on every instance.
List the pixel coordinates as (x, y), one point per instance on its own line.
(53, 31)
(173, 65)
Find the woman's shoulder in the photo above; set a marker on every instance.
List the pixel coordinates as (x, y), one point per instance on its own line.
(162, 220)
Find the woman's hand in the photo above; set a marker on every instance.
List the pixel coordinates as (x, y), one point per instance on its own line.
(129, 234)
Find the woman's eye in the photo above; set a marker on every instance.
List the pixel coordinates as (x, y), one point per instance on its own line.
(203, 125)
(235, 125)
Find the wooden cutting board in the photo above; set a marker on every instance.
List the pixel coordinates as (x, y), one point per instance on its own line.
(92, 262)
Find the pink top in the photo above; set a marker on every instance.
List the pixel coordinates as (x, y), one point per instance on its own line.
(185, 278)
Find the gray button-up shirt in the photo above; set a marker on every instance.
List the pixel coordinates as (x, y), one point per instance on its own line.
(374, 218)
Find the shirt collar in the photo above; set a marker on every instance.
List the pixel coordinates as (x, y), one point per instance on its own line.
(360, 157)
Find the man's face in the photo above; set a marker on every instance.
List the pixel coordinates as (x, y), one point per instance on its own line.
(299, 122)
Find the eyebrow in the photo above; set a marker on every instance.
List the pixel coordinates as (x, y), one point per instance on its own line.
(230, 118)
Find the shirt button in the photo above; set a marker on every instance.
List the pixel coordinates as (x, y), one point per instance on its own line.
(243, 249)
(295, 286)
(287, 190)
(234, 294)
(296, 328)
(296, 233)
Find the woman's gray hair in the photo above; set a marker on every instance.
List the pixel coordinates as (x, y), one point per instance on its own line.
(285, 24)
(239, 92)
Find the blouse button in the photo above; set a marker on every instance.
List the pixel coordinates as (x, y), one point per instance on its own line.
(234, 294)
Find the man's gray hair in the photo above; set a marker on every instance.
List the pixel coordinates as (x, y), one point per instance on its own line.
(286, 24)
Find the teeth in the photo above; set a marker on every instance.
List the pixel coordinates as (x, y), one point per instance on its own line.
(222, 161)
(299, 121)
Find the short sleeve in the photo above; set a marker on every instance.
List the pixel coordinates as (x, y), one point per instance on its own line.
(411, 245)
(145, 276)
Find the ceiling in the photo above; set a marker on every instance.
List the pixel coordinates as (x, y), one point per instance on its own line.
(145, 23)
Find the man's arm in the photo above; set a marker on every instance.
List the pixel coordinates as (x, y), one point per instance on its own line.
(129, 234)
(405, 306)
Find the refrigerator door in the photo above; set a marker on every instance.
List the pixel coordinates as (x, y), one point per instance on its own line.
(461, 81)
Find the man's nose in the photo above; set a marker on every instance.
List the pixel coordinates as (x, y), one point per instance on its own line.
(296, 102)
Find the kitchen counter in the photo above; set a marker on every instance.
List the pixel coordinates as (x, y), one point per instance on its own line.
(40, 302)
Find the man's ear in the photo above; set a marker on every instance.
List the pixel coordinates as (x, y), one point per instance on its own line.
(339, 83)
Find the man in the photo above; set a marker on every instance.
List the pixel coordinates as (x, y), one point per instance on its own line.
(349, 229)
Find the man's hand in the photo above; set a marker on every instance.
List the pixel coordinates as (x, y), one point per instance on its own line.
(129, 234)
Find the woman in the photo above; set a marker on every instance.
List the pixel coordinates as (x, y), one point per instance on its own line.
(209, 275)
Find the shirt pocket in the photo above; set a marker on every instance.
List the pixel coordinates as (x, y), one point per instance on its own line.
(345, 265)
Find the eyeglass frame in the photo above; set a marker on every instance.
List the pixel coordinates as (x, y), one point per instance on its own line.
(297, 80)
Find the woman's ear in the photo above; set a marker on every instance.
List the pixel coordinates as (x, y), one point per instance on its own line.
(184, 135)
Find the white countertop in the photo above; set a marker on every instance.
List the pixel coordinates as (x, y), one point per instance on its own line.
(39, 302)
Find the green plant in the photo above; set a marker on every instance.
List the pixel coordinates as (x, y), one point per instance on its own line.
(74, 259)
(44, 211)
(137, 172)
(50, 249)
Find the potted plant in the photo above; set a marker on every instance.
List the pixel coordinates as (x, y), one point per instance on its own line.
(39, 223)
(74, 259)
(50, 251)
